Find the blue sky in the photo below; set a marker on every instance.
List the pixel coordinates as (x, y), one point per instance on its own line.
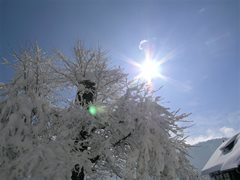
(203, 37)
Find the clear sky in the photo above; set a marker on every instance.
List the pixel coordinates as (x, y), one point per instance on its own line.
(203, 37)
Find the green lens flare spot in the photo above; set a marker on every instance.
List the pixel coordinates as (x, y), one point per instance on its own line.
(92, 110)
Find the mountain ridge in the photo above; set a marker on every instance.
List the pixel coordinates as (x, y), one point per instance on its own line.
(200, 153)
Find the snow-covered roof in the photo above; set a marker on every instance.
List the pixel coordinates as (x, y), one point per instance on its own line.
(227, 156)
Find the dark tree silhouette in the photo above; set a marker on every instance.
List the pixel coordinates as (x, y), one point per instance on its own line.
(76, 175)
(86, 96)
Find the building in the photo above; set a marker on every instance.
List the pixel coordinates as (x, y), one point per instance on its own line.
(224, 164)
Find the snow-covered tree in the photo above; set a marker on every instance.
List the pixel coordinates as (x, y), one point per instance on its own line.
(123, 131)
(26, 146)
(146, 138)
(33, 73)
(90, 65)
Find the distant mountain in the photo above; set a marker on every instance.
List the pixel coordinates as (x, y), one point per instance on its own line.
(201, 152)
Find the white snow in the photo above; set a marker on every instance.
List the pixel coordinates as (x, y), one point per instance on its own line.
(224, 158)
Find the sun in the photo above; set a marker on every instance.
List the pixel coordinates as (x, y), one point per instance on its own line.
(149, 70)
(151, 67)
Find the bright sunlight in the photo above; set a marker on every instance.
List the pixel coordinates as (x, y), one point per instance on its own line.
(150, 69)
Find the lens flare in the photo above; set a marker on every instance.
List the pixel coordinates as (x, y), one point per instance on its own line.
(96, 109)
(92, 110)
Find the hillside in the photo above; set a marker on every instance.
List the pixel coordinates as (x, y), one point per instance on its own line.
(201, 152)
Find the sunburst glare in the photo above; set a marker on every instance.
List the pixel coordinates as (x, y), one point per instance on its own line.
(151, 67)
(149, 70)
